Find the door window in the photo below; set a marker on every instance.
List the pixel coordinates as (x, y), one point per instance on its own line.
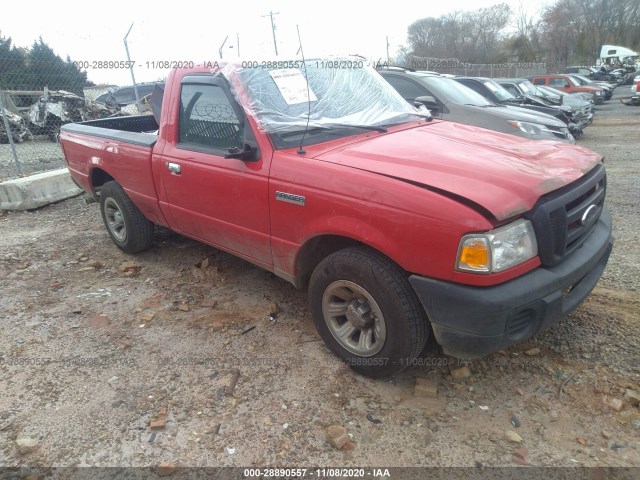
(558, 82)
(207, 118)
(512, 90)
(408, 89)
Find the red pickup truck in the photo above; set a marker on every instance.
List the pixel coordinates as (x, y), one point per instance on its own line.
(400, 225)
(568, 84)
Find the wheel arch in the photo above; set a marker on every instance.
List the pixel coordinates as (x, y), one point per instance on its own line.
(317, 248)
(98, 177)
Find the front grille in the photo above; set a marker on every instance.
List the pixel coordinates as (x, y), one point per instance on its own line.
(563, 219)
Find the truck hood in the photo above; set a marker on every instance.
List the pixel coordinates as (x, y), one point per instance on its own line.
(503, 174)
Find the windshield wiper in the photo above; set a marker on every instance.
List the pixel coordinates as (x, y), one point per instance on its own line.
(364, 127)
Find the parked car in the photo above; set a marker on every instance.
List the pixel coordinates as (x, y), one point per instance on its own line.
(626, 75)
(559, 97)
(521, 87)
(494, 92)
(594, 73)
(453, 101)
(399, 224)
(608, 89)
(568, 84)
(552, 93)
(583, 96)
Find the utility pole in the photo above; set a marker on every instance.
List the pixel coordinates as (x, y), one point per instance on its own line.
(273, 29)
(133, 78)
(238, 43)
(388, 63)
(222, 46)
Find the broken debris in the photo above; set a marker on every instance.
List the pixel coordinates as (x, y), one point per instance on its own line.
(232, 384)
(520, 456)
(459, 374)
(130, 268)
(426, 388)
(337, 436)
(512, 436)
(375, 421)
(160, 420)
(26, 445)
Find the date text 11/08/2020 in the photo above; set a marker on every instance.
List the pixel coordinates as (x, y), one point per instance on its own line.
(269, 64)
(317, 472)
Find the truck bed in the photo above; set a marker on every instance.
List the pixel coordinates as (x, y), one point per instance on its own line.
(137, 130)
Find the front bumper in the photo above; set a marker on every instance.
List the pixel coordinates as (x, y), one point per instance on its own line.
(471, 322)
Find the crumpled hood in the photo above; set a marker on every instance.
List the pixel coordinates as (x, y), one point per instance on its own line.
(503, 173)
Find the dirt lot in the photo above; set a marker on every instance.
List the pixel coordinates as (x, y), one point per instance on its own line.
(95, 344)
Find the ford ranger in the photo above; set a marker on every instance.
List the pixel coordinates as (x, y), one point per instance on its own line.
(399, 225)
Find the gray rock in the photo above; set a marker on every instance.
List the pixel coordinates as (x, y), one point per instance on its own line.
(26, 445)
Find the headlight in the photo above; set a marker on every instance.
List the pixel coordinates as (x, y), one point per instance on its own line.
(530, 128)
(599, 93)
(499, 249)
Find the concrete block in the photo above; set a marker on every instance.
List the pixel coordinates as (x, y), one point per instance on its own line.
(38, 190)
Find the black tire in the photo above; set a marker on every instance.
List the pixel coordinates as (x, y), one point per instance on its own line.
(358, 270)
(127, 226)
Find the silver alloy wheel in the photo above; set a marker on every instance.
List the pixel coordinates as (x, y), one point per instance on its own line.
(115, 221)
(354, 318)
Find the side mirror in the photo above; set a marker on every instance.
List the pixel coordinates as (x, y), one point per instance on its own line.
(250, 153)
(428, 101)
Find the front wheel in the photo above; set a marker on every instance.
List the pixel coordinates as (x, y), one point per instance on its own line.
(127, 226)
(366, 312)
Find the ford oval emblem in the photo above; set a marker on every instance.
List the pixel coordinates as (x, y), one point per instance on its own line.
(589, 215)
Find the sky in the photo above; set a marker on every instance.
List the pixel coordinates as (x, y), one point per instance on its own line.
(191, 31)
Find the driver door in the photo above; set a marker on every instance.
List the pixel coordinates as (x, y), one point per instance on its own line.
(221, 201)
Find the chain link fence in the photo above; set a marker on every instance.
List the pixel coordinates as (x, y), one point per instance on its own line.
(453, 66)
(36, 99)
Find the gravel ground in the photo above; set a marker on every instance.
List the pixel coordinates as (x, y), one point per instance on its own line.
(34, 156)
(110, 359)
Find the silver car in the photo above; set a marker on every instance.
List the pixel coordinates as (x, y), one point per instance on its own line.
(450, 100)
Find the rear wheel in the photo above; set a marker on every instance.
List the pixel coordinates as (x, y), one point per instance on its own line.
(127, 226)
(366, 312)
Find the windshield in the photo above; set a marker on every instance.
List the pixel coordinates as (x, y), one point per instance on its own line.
(498, 90)
(584, 80)
(340, 92)
(550, 91)
(575, 82)
(526, 86)
(448, 90)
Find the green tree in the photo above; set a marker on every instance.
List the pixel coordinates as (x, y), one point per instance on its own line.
(45, 68)
(474, 37)
(38, 67)
(12, 64)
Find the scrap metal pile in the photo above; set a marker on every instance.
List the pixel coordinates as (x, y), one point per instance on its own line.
(49, 112)
(17, 127)
(56, 108)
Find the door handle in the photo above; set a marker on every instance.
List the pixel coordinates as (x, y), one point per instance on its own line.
(173, 167)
